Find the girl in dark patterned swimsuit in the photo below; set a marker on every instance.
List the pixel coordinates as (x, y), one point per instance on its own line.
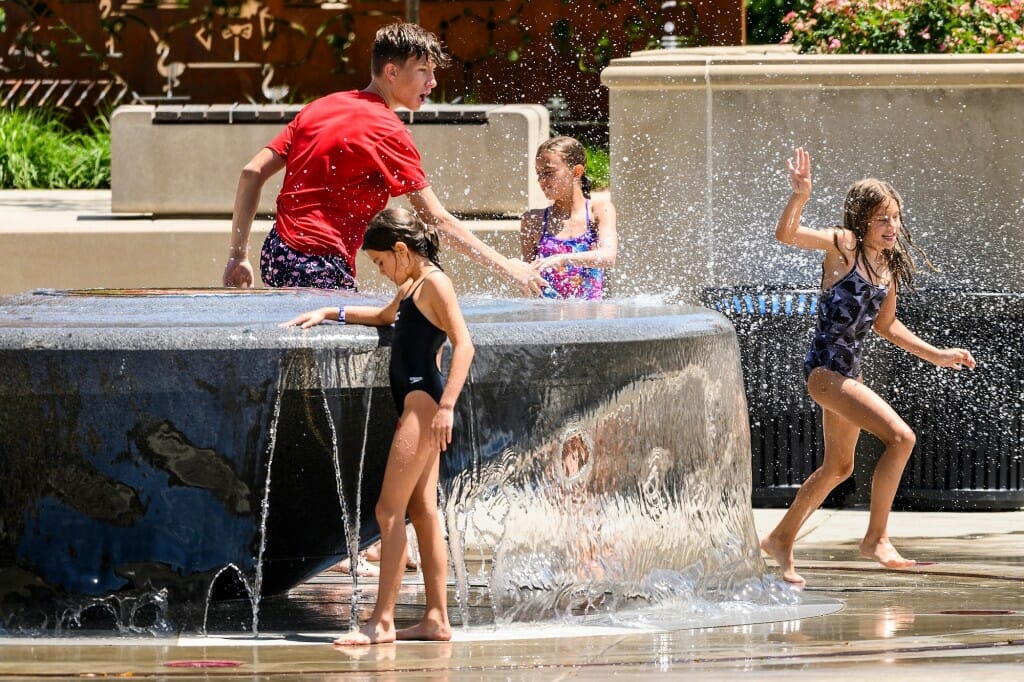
(426, 313)
(866, 261)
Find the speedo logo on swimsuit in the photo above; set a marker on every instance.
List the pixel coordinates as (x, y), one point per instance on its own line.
(415, 380)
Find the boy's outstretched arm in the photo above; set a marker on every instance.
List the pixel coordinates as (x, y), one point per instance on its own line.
(429, 209)
(237, 271)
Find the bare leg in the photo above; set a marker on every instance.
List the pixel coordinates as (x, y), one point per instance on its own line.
(433, 559)
(364, 569)
(412, 559)
(372, 553)
(840, 442)
(849, 406)
(865, 408)
(886, 480)
(410, 454)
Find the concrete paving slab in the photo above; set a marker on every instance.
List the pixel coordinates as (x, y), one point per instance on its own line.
(952, 620)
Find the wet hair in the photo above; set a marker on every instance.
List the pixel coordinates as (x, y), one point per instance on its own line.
(393, 225)
(572, 152)
(863, 197)
(397, 42)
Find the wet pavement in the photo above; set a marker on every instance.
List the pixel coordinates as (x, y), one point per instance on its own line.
(958, 614)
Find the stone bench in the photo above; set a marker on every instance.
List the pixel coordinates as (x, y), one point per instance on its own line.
(186, 159)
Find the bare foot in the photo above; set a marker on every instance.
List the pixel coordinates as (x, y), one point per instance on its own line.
(364, 569)
(884, 553)
(381, 652)
(372, 553)
(426, 631)
(783, 556)
(371, 633)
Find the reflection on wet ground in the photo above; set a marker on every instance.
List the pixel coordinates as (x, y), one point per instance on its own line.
(960, 616)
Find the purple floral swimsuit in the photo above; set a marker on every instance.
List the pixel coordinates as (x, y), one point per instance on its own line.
(570, 281)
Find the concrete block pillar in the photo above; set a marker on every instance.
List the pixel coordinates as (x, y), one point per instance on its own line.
(699, 139)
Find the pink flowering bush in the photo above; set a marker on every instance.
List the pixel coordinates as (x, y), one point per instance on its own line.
(906, 26)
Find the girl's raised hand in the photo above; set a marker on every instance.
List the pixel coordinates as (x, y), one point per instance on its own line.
(800, 172)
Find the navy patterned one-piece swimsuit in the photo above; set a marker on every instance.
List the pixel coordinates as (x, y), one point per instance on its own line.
(846, 312)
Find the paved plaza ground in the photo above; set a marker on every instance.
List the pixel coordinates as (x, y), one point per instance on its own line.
(959, 617)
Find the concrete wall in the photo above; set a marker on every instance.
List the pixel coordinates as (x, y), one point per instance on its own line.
(485, 169)
(699, 139)
(69, 240)
(193, 168)
(183, 168)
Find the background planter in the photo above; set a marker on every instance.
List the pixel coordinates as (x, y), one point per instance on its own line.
(699, 139)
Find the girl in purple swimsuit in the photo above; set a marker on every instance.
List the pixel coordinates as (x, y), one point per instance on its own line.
(866, 261)
(570, 242)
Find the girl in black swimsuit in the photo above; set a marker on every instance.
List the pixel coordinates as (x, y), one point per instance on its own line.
(866, 261)
(425, 312)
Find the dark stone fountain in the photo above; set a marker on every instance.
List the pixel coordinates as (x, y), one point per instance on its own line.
(166, 446)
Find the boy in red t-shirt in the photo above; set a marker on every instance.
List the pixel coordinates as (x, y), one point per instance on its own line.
(345, 155)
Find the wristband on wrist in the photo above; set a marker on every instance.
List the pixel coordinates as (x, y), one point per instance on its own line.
(341, 314)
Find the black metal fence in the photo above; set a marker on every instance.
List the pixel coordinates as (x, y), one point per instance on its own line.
(970, 436)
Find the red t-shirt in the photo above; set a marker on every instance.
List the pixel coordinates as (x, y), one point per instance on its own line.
(345, 155)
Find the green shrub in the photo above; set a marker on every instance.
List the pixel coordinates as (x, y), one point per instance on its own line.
(38, 151)
(598, 167)
(764, 20)
(907, 26)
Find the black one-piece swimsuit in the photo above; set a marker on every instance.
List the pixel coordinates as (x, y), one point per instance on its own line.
(414, 350)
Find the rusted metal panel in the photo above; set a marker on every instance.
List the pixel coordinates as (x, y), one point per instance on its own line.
(290, 51)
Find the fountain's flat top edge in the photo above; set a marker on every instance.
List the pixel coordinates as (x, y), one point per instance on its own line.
(758, 66)
(791, 53)
(211, 318)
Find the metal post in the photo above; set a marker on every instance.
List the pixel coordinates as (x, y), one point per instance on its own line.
(412, 11)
